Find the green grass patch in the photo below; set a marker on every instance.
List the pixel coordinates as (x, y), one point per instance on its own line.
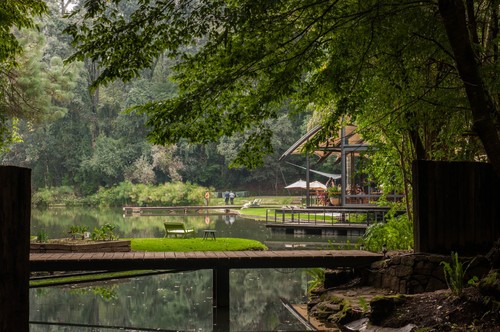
(45, 282)
(264, 200)
(257, 213)
(194, 244)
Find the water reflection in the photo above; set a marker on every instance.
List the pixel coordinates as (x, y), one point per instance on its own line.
(181, 301)
(177, 301)
(57, 222)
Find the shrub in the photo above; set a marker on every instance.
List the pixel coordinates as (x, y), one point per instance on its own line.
(42, 237)
(52, 196)
(104, 233)
(396, 233)
(125, 193)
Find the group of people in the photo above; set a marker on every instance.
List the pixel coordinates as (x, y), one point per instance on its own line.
(229, 197)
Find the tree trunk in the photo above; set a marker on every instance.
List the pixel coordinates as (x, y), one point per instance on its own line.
(481, 103)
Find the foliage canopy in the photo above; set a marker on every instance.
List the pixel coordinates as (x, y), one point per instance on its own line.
(394, 63)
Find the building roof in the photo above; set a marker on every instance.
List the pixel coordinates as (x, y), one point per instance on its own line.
(331, 146)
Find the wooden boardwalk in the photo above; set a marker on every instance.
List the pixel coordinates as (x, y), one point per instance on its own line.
(120, 261)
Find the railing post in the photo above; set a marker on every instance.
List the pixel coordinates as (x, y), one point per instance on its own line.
(15, 214)
(220, 299)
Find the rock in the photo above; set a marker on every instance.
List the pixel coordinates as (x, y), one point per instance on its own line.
(382, 307)
(347, 314)
(356, 326)
(494, 255)
(334, 278)
(363, 325)
(490, 285)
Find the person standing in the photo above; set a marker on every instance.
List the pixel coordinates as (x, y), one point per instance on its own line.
(330, 182)
(232, 196)
(226, 197)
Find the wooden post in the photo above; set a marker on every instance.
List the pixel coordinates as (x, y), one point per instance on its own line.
(15, 210)
(220, 299)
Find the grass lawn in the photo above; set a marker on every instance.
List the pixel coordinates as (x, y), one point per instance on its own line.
(194, 244)
(257, 213)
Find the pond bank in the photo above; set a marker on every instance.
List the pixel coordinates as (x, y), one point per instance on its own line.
(401, 302)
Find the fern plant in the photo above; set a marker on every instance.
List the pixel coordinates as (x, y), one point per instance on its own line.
(318, 278)
(454, 274)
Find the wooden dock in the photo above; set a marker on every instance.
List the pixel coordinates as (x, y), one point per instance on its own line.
(328, 214)
(153, 211)
(119, 261)
(319, 228)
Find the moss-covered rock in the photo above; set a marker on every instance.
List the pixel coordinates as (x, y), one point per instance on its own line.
(490, 285)
(346, 314)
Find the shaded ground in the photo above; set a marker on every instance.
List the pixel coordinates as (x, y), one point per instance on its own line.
(443, 311)
(438, 311)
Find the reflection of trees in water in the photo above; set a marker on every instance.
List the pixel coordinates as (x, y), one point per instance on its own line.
(57, 222)
(170, 301)
(62, 305)
(255, 294)
(173, 301)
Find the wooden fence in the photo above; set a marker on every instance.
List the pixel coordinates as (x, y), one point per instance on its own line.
(456, 207)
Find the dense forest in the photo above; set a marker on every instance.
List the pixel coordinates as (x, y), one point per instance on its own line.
(88, 139)
(220, 84)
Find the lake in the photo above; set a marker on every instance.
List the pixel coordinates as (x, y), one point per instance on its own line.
(180, 301)
(56, 223)
(170, 302)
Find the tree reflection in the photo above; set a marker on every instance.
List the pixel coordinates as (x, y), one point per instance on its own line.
(176, 301)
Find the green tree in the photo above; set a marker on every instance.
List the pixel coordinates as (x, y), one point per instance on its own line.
(14, 100)
(16, 15)
(347, 57)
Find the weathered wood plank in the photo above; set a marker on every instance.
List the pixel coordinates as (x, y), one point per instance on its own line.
(204, 260)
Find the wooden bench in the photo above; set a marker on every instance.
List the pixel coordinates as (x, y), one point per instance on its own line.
(176, 229)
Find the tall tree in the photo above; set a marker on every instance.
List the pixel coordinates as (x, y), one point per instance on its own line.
(14, 101)
(256, 53)
(464, 30)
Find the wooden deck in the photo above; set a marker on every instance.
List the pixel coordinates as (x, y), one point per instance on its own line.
(327, 214)
(320, 225)
(120, 261)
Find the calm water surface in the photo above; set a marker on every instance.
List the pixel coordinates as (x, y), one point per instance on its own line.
(170, 302)
(175, 301)
(57, 222)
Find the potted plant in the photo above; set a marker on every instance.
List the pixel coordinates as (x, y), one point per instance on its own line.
(334, 193)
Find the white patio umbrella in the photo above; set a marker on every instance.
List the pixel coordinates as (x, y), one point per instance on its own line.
(301, 184)
(317, 185)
